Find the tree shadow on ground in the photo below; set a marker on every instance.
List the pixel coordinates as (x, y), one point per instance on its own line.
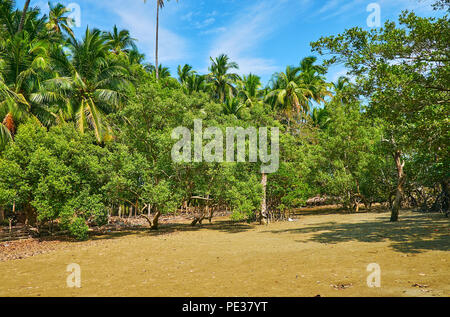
(334, 209)
(227, 226)
(412, 234)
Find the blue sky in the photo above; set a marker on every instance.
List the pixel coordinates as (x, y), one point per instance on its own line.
(262, 36)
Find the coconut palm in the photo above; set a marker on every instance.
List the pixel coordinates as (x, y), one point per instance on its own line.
(161, 71)
(342, 90)
(23, 16)
(196, 83)
(249, 88)
(184, 72)
(232, 106)
(320, 117)
(58, 21)
(25, 66)
(159, 5)
(288, 93)
(8, 100)
(135, 57)
(91, 84)
(119, 41)
(10, 20)
(312, 77)
(220, 77)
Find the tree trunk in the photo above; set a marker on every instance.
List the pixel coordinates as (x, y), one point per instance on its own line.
(155, 223)
(445, 197)
(30, 215)
(400, 182)
(263, 211)
(24, 14)
(157, 40)
(2, 215)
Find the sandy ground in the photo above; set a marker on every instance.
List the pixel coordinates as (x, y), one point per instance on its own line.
(323, 254)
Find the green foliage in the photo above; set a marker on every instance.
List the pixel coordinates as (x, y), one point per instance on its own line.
(86, 123)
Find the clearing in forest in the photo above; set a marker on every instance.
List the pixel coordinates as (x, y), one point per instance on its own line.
(323, 254)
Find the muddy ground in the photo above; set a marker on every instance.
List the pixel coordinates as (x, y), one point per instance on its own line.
(320, 253)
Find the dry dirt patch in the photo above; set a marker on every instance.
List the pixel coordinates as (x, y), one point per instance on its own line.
(323, 255)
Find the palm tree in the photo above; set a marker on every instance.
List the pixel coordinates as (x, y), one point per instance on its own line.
(288, 93)
(24, 14)
(232, 106)
(249, 88)
(25, 66)
(184, 72)
(320, 117)
(312, 77)
(8, 99)
(58, 21)
(161, 71)
(159, 5)
(342, 90)
(135, 57)
(91, 86)
(196, 83)
(221, 79)
(119, 41)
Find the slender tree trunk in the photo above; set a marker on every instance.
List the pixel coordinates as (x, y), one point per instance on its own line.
(445, 196)
(2, 215)
(263, 211)
(400, 182)
(24, 14)
(157, 40)
(155, 223)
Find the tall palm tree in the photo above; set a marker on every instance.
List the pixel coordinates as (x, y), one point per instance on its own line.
(58, 21)
(119, 41)
(220, 77)
(24, 14)
(91, 85)
(159, 5)
(196, 83)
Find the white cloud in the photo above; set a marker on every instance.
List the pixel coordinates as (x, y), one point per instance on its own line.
(204, 23)
(213, 31)
(245, 33)
(329, 5)
(348, 7)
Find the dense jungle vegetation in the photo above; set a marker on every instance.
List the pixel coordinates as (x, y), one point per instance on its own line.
(86, 124)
